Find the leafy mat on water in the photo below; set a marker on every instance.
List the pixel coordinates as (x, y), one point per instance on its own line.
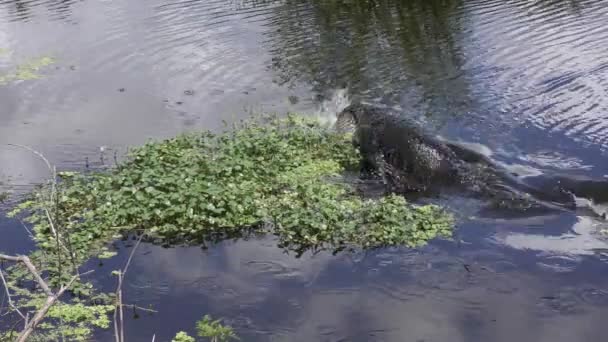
(276, 175)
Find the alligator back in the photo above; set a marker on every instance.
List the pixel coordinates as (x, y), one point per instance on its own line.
(411, 161)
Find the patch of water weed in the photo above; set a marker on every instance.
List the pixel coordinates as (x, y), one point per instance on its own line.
(209, 329)
(27, 71)
(280, 176)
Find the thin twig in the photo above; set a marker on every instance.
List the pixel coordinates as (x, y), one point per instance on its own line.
(40, 155)
(119, 329)
(52, 169)
(116, 323)
(8, 294)
(27, 229)
(121, 312)
(30, 325)
(133, 306)
(55, 232)
(2, 304)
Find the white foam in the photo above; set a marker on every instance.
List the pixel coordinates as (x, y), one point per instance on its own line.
(584, 239)
(599, 208)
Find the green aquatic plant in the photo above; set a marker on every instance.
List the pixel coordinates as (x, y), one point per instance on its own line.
(281, 176)
(27, 71)
(183, 336)
(76, 321)
(209, 329)
(214, 330)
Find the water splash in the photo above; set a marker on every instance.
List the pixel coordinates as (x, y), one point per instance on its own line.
(584, 238)
(601, 209)
(329, 108)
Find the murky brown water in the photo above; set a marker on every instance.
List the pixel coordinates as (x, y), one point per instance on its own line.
(528, 79)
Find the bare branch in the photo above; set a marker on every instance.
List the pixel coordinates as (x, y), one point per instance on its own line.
(132, 253)
(50, 300)
(28, 263)
(136, 307)
(10, 257)
(30, 325)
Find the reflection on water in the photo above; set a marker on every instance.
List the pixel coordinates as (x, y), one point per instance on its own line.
(403, 53)
(478, 293)
(525, 79)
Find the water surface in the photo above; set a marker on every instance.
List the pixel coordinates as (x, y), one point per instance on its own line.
(527, 79)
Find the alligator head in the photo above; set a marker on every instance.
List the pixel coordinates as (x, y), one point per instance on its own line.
(346, 121)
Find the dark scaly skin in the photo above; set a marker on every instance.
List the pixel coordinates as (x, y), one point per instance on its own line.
(410, 161)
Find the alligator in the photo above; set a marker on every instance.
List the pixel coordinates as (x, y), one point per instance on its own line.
(408, 160)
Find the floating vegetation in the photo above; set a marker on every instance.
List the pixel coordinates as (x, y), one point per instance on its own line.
(279, 176)
(26, 71)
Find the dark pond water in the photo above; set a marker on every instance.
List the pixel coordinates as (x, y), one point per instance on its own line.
(527, 79)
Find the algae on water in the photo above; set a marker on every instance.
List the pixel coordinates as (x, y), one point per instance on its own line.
(26, 71)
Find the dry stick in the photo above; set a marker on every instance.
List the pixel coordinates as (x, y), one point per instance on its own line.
(118, 307)
(28, 263)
